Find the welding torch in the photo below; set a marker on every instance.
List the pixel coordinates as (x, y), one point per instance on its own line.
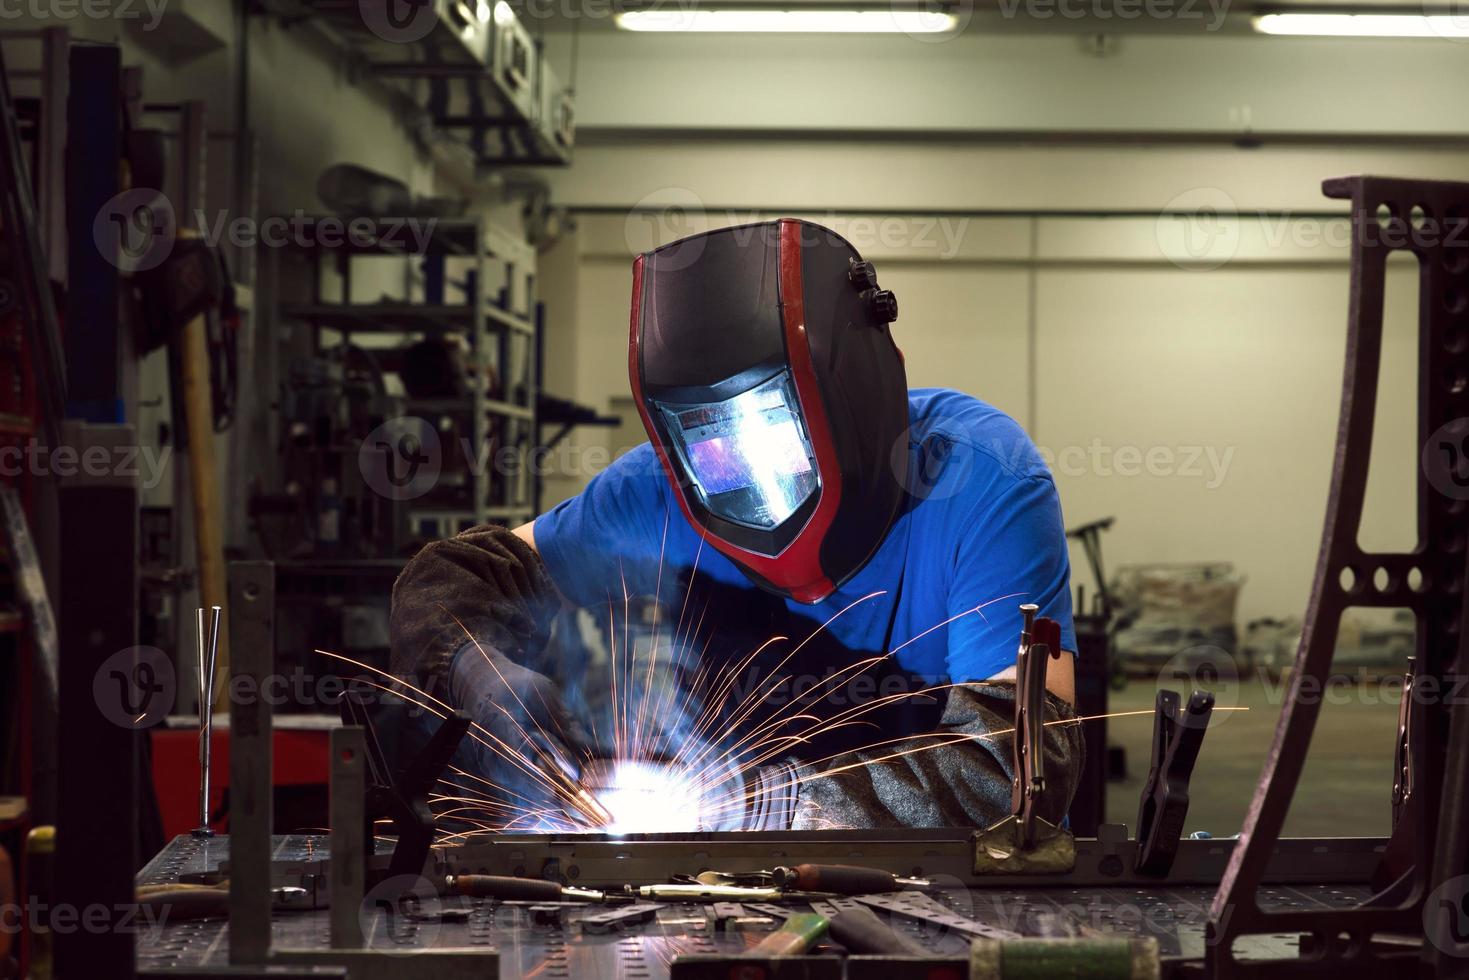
(576, 796)
(508, 889)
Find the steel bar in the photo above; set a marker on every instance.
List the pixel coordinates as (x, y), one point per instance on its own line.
(348, 867)
(252, 628)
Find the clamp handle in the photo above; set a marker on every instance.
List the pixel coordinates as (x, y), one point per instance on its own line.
(1178, 734)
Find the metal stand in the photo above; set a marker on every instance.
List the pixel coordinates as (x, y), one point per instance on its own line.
(1430, 219)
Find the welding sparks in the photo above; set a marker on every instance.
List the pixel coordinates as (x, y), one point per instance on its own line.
(680, 755)
(645, 797)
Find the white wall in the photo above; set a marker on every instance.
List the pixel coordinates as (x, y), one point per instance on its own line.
(1109, 264)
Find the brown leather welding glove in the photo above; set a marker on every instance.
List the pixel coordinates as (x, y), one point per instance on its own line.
(965, 783)
(485, 585)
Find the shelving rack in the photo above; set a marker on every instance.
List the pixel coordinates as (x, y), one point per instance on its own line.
(495, 315)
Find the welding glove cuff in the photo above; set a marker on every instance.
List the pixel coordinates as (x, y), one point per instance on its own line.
(759, 799)
(515, 704)
(486, 584)
(773, 792)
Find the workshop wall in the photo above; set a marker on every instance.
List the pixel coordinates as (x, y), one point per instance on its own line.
(1009, 188)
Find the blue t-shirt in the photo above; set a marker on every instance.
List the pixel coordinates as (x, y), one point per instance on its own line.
(979, 533)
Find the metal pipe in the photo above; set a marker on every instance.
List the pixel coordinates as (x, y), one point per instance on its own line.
(208, 646)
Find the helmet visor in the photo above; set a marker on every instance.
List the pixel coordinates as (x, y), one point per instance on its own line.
(749, 457)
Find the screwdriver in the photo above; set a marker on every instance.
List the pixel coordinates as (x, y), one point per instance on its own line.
(843, 879)
(518, 889)
(797, 935)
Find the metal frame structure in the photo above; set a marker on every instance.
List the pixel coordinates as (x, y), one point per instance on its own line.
(1430, 219)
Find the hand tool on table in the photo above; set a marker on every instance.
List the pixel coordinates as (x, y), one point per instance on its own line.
(576, 795)
(207, 638)
(795, 936)
(519, 889)
(1097, 958)
(843, 879)
(1178, 733)
(176, 902)
(859, 929)
(1024, 842)
(700, 892)
(1040, 640)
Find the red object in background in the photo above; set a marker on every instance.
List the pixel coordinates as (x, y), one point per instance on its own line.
(300, 759)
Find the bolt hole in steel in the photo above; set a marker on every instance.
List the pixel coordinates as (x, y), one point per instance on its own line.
(1455, 380)
(1384, 215)
(1350, 579)
(251, 592)
(1417, 581)
(1384, 580)
(1418, 216)
(1456, 339)
(1455, 300)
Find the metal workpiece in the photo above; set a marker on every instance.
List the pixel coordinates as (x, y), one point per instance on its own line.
(1428, 220)
(349, 828)
(252, 643)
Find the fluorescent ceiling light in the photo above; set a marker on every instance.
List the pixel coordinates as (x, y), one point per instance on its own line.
(1364, 25)
(789, 21)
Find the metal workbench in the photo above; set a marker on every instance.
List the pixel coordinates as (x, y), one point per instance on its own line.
(521, 939)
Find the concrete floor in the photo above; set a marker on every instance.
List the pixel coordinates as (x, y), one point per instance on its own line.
(1344, 789)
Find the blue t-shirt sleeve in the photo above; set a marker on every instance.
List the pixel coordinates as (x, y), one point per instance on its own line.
(1012, 550)
(611, 534)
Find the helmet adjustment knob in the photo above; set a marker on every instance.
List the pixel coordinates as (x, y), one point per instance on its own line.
(884, 306)
(863, 275)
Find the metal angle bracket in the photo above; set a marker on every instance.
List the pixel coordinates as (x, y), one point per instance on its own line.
(1429, 220)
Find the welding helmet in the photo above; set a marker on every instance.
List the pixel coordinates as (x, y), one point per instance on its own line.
(772, 391)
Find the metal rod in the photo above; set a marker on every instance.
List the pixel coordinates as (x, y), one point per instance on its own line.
(208, 646)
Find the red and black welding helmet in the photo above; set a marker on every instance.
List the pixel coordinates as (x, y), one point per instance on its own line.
(770, 386)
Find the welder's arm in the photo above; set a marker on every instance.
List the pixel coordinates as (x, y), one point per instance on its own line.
(466, 612)
(959, 776)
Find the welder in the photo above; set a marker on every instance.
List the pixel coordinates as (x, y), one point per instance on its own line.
(792, 484)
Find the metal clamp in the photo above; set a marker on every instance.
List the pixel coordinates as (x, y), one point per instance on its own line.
(1178, 733)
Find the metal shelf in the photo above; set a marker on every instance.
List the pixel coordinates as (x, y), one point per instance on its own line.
(452, 405)
(494, 270)
(402, 317)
